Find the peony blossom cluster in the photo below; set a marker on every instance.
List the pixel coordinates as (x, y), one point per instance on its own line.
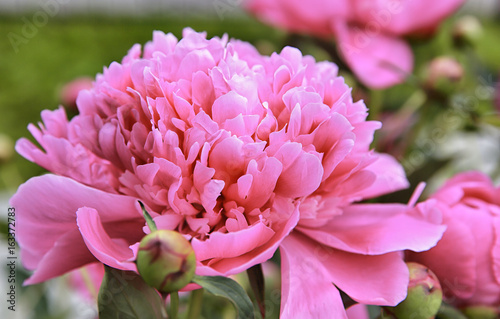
(241, 154)
(369, 34)
(467, 258)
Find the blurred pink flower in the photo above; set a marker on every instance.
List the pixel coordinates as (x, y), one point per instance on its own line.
(393, 136)
(234, 150)
(467, 259)
(70, 90)
(369, 33)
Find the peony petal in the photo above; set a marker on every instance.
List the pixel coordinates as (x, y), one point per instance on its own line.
(203, 91)
(47, 206)
(257, 185)
(380, 280)
(496, 252)
(113, 253)
(228, 160)
(228, 107)
(353, 187)
(74, 161)
(390, 177)
(244, 185)
(358, 311)
(284, 210)
(233, 244)
(112, 144)
(306, 291)
(302, 172)
(67, 253)
(376, 229)
(467, 184)
(377, 59)
(167, 221)
(496, 248)
(480, 220)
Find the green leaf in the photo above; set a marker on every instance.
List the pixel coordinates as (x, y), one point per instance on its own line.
(149, 220)
(124, 295)
(229, 289)
(256, 279)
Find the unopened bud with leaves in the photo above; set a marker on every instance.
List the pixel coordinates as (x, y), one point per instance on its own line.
(166, 260)
(424, 295)
(443, 74)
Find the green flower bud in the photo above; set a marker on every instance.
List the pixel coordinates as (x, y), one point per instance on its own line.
(424, 295)
(166, 260)
(443, 74)
(481, 312)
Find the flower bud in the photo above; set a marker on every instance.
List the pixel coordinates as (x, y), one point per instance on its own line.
(166, 260)
(424, 295)
(443, 73)
(481, 312)
(466, 31)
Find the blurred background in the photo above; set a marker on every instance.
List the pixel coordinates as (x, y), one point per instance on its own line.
(46, 44)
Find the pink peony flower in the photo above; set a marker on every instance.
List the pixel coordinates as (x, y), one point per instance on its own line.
(368, 33)
(234, 150)
(467, 259)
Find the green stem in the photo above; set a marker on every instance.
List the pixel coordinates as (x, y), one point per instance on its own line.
(376, 104)
(417, 102)
(449, 312)
(195, 301)
(256, 278)
(174, 305)
(384, 314)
